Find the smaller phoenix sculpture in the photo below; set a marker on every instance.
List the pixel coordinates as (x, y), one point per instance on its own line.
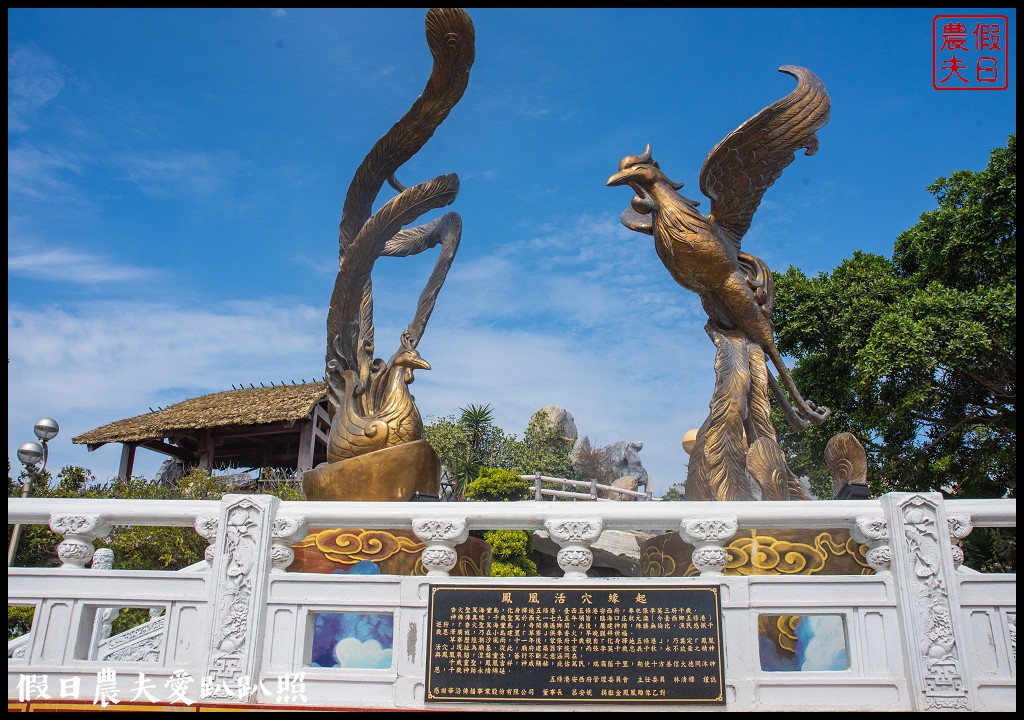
(372, 408)
(736, 446)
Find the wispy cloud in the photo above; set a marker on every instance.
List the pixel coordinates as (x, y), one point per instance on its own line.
(91, 364)
(41, 174)
(33, 80)
(193, 174)
(70, 266)
(620, 347)
(581, 315)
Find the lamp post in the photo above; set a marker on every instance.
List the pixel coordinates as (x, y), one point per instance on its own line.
(33, 456)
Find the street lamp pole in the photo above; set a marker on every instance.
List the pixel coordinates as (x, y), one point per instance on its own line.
(32, 454)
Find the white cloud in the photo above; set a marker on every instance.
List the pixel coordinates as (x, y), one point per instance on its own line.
(70, 267)
(33, 80)
(824, 639)
(582, 316)
(616, 343)
(98, 362)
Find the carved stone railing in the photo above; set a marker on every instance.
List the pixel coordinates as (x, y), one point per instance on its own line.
(233, 618)
(702, 524)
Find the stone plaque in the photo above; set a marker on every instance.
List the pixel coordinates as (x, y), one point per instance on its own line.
(575, 643)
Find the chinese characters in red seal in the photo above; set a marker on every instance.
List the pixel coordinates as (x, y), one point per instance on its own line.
(970, 52)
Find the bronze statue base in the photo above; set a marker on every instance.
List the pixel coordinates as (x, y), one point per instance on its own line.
(762, 552)
(393, 474)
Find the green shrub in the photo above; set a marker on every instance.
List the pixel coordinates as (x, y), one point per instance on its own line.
(504, 569)
(19, 620)
(510, 553)
(498, 484)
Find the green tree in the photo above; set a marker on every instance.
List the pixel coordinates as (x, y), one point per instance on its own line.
(676, 492)
(472, 442)
(916, 355)
(135, 547)
(545, 450)
(37, 546)
(468, 443)
(510, 553)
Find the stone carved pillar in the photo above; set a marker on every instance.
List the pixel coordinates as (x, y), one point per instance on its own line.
(441, 537)
(78, 532)
(287, 530)
(574, 536)
(206, 526)
(960, 526)
(709, 537)
(103, 559)
(873, 532)
(928, 599)
(240, 572)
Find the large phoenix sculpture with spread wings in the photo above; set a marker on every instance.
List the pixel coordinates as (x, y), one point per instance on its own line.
(372, 408)
(737, 446)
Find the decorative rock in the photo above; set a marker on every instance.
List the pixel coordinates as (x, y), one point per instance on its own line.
(624, 459)
(626, 482)
(560, 418)
(618, 460)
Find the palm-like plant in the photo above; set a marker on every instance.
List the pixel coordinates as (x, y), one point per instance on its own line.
(476, 422)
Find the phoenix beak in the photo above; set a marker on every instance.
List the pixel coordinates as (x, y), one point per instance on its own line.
(619, 178)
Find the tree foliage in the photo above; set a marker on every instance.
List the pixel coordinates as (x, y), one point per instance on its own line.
(917, 354)
(472, 442)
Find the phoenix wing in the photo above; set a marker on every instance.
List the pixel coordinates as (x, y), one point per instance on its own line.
(739, 170)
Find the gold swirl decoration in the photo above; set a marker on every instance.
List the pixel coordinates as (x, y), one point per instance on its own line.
(781, 628)
(466, 567)
(348, 547)
(394, 552)
(657, 563)
(783, 552)
(766, 555)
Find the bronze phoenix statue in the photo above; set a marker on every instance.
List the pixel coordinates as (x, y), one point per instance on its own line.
(372, 407)
(703, 253)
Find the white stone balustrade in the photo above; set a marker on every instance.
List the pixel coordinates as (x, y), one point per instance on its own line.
(709, 536)
(574, 536)
(925, 632)
(872, 531)
(440, 535)
(78, 531)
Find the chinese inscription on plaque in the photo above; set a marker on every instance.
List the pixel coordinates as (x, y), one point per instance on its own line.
(575, 644)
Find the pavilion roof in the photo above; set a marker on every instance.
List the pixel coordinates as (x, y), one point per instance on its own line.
(245, 406)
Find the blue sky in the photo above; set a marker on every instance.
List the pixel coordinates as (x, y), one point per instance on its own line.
(176, 179)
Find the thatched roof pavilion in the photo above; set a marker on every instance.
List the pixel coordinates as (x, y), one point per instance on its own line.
(282, 426)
